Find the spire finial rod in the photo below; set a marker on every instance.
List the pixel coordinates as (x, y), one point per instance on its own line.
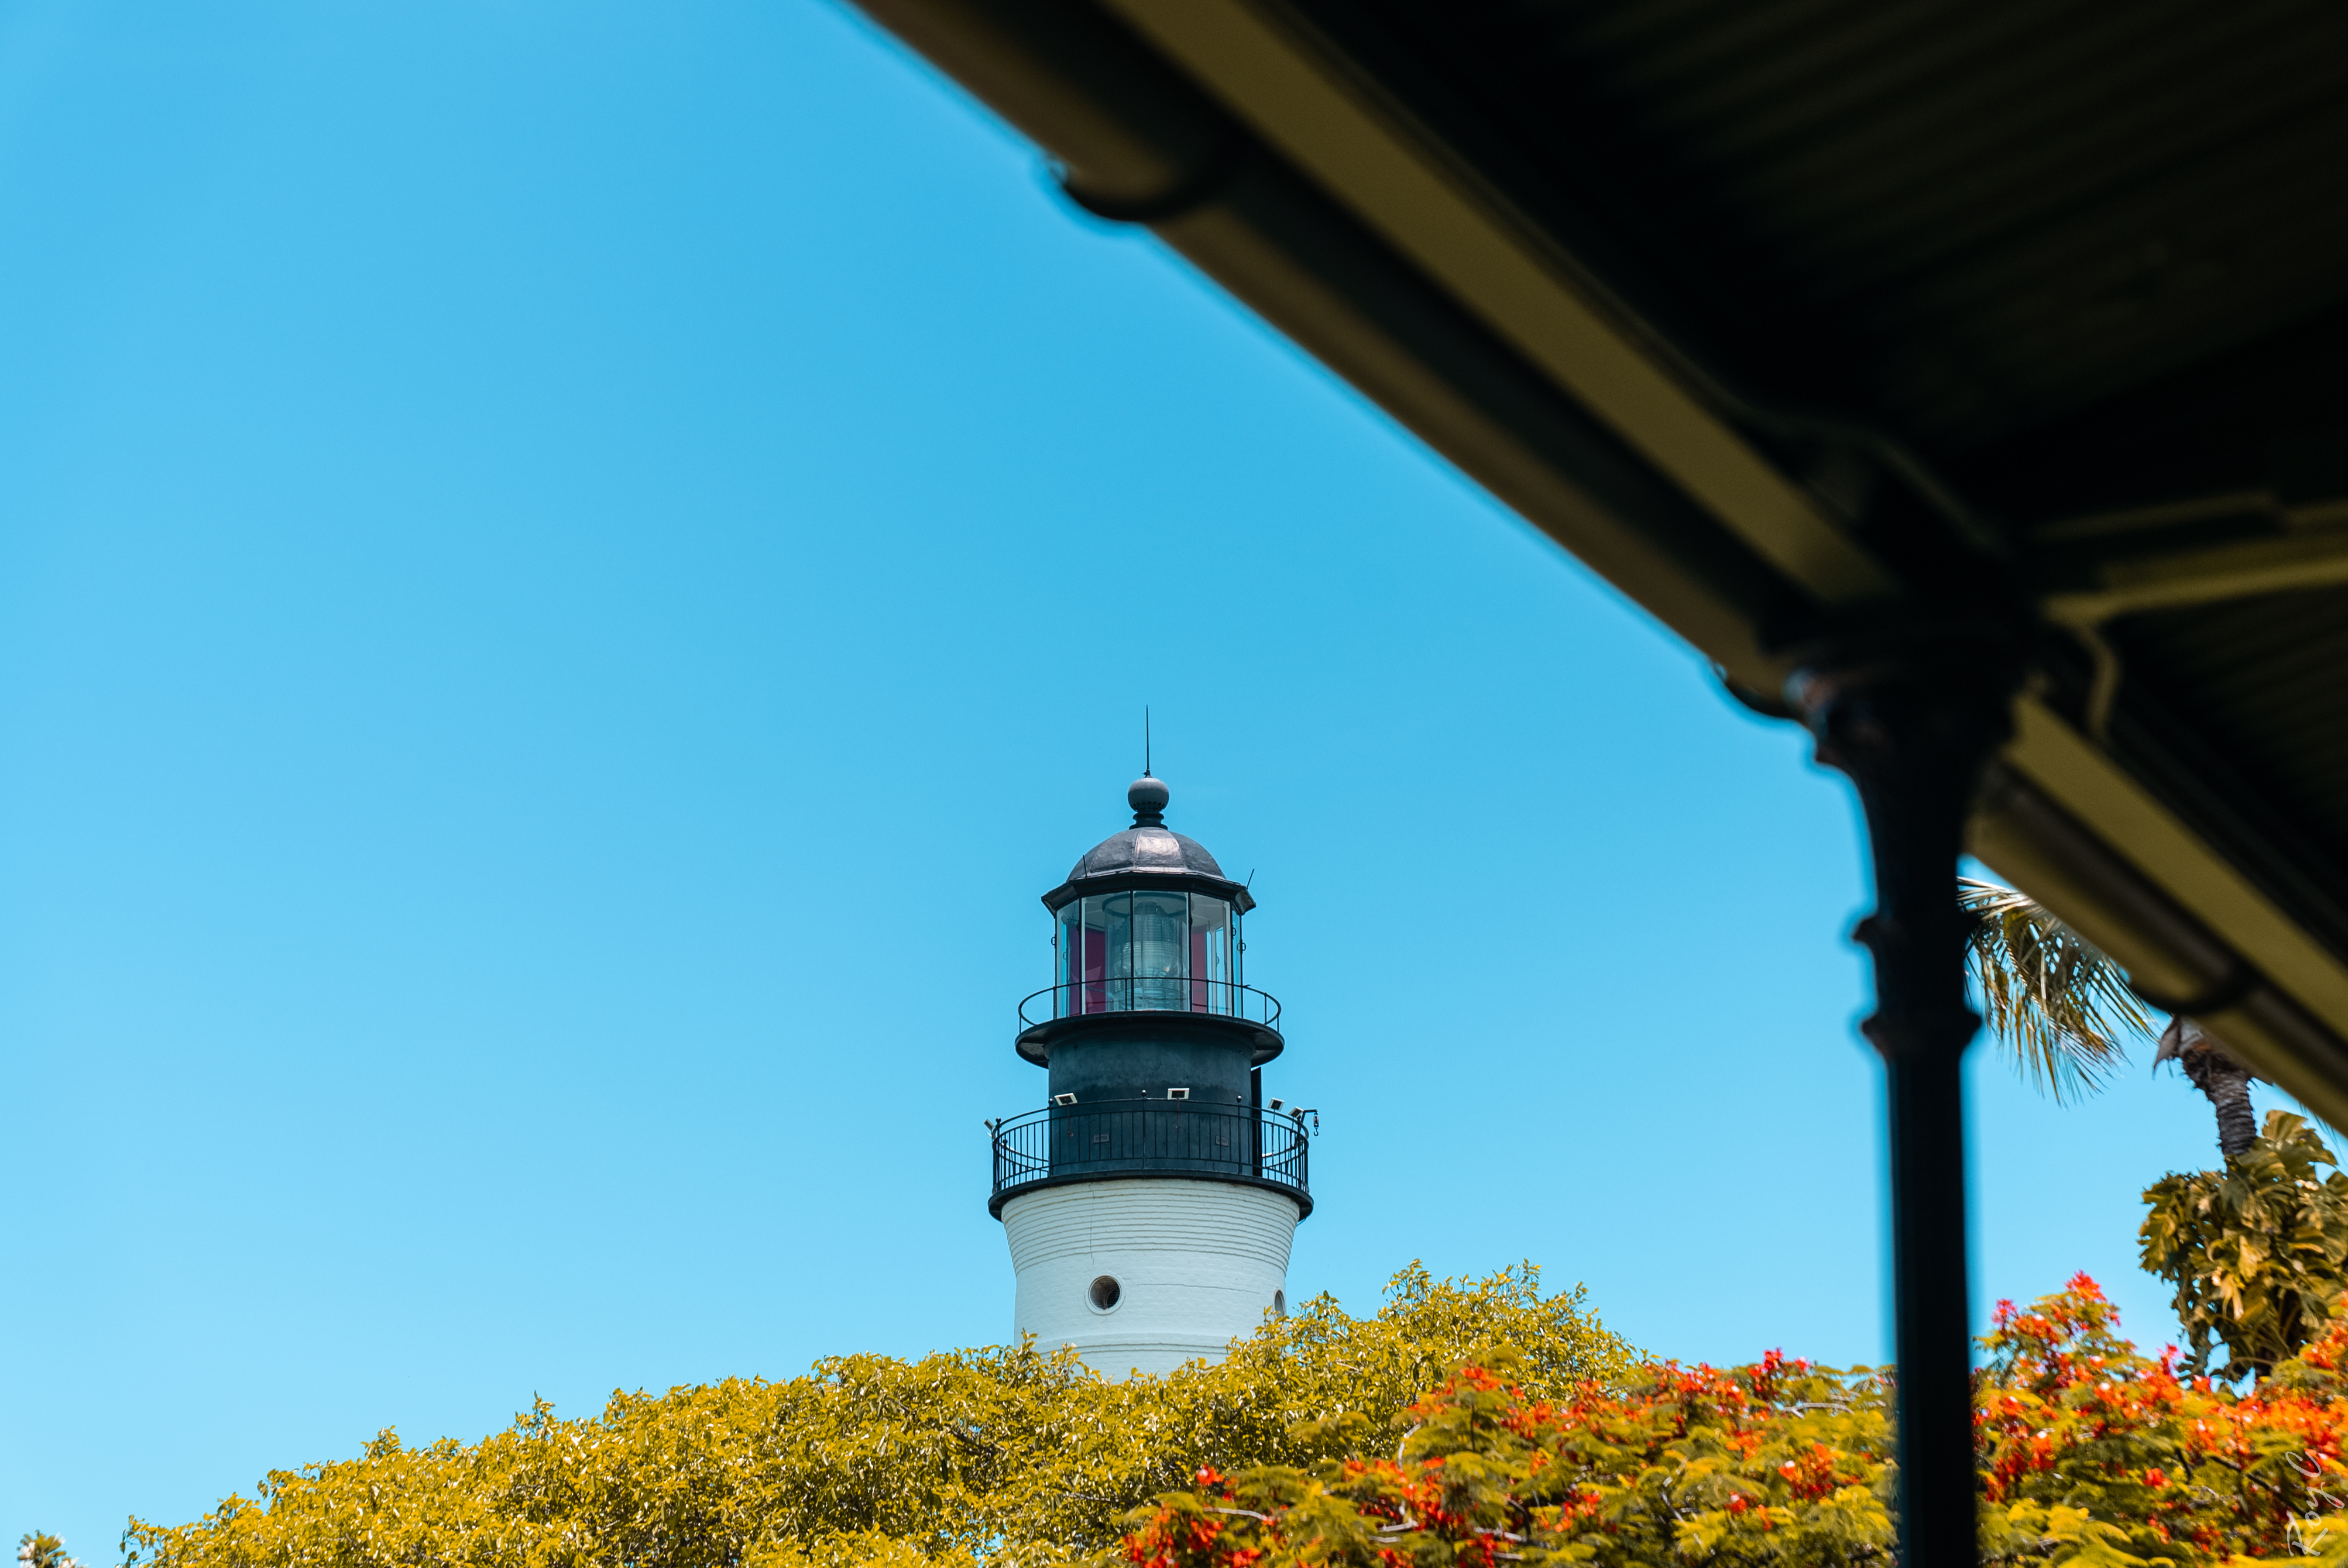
(1147, 794)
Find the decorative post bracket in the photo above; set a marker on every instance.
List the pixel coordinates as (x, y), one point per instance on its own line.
(1913, 714)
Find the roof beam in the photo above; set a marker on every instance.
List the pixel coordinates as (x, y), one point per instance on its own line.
(1370, 157)
(2210, 576)
(2194, 934)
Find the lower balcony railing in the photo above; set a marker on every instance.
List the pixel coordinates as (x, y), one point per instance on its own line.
(1176, 1136)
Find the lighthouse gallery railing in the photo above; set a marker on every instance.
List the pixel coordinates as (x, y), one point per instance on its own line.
(1149, 993)
(1174, 1136)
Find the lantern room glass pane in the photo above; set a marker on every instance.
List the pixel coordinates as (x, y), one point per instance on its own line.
(1118, 918)
(1068, 957)
(1210, 955)
(1102, 985)
(1161, 951)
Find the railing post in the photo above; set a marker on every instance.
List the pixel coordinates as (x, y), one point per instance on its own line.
(1912, 716)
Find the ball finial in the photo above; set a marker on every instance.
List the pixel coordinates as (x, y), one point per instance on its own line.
(1148, 796)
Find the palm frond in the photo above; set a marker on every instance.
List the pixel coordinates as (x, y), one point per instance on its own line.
(2058, 1009)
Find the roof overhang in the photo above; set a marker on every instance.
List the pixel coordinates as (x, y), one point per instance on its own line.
(1232, 893)
(1306, 173)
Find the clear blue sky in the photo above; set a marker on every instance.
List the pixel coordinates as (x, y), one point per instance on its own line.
(570, 572)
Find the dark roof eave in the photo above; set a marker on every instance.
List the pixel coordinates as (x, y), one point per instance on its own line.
(1170, 881)
(1286, 172)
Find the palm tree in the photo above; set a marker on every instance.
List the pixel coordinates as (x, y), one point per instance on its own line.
(2063, 1013)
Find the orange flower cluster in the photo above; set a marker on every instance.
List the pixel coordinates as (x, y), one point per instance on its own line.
(2086, 1450)
(2067, 1408)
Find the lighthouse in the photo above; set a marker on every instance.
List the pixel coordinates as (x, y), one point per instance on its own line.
(1149, 1203)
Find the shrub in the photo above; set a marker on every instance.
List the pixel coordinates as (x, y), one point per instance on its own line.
(2089, 1453)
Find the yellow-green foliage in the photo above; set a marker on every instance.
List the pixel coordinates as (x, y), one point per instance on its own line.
(998, 1456)
(2256, 1251)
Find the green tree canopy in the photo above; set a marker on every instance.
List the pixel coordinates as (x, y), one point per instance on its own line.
(1006, 1455)
(2258, 1252)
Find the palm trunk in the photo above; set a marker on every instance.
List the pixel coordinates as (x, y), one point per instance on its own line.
(2214, 1070)
(2229, 1089)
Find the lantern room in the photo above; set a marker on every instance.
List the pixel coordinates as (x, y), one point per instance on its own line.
(1156, 950)
(1148, 994)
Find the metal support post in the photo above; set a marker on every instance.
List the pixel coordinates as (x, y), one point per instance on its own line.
(1913, 717)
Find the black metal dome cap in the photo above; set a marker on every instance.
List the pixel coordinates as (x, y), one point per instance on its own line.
(1147, 853)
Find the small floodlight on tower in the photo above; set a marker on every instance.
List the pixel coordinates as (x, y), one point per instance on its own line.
(1064, 1099)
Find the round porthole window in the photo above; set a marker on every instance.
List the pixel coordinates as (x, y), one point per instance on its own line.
(1279, 1303)
(1103, 1293)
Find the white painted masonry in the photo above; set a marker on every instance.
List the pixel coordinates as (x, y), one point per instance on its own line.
(1198, 1264)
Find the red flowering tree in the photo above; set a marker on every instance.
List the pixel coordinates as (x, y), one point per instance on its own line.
(2089, 1454)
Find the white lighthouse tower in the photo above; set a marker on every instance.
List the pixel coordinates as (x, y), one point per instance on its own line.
(1151, 1205)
